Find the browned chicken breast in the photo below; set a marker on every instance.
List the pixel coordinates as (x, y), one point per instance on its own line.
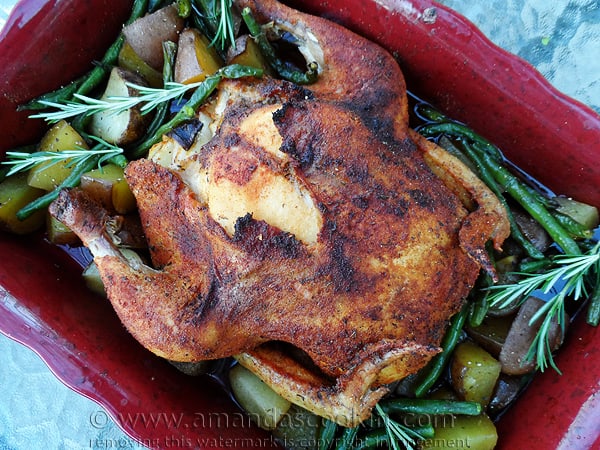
(308, 231)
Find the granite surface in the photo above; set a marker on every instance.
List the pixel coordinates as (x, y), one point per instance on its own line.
(560, 37)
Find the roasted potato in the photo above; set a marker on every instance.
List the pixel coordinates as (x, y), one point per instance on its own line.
(474, 373)
(15, 193)
(262, 404)
(60, 137)
(165, 24)
(196, 58)
(126, 126)
(109, 187)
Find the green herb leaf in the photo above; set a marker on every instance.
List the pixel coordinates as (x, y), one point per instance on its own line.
(567, 274)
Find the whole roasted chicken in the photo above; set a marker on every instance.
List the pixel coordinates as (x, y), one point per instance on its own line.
(308, 231)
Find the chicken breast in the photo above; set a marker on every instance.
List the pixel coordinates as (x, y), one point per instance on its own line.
(310, 234)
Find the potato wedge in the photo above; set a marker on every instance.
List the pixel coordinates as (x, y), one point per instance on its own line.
(474, 373)
(60, 137)
(247, 53)
(263, 405)
(58, 233)
(15, 193)
(586, 215)
(146, 34)
(472, 432)
(109, 186)
(124, 127)
(131, 61)
(513, 356)
(196, 58)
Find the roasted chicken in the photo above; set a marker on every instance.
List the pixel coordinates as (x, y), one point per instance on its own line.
(308, 231)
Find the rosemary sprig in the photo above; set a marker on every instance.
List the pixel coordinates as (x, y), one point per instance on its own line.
(568, 276)
(397, 432)
(23, 161)
(225, 33)
(86, 106)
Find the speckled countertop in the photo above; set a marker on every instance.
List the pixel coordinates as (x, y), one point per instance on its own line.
(561, 38)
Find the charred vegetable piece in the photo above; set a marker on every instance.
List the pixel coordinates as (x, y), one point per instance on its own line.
(60, 137)
(15, 193)
(474, 373)
(196, 58)
(123, 127)
(262, 404)
(507, 390)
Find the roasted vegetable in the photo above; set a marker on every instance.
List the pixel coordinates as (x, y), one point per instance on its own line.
(165, 25)
(474, 373)
(108, 185)
(14, 194)
(472, 432)
(519, 339)
(131, 61)
(60, 137)
(262, 404)
(126, 126)
(196, 58)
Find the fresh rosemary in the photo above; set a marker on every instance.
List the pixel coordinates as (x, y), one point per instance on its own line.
(22, 161)
(86, 106)
(567, 275)
(398, 433)
(225, 33)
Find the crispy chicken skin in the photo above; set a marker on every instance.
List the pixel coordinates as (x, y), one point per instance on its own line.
(314, 236)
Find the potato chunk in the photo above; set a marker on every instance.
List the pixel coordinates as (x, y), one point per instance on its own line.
(262, 404)
(60, 137)
(15, 193)
(109, 187)
(196, 58)
(126, 126)
(474, 373)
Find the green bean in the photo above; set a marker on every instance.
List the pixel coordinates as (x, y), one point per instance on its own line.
(327, 434)
(429, 113)
(72, 180)
(59, 95)
(428, 407)
(593, 311)
(169, 51)
(479, 309)
(285, 72)
(347, 438)
(522, 195)
(535, 265)
(198, 97)
(439, 361)
(461, 131)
